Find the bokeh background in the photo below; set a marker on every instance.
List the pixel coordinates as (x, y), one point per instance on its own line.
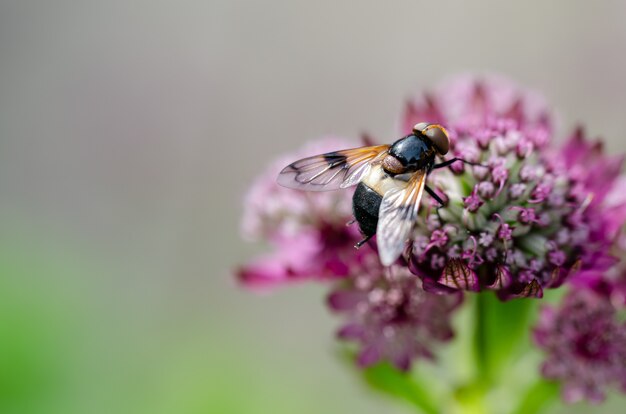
(129, 132)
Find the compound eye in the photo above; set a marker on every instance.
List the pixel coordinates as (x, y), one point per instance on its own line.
(439, 137)
(418, 128)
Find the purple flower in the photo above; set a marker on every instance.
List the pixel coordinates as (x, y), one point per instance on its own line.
(585, 343)
(526, 215)
(305, 256)
(469, 104)
(531, 216)
(391, 316)
(309, 234)
(272, 211)
(486, 189)
(599, 175)
(600, 192)
(545, 211)
(473, 202)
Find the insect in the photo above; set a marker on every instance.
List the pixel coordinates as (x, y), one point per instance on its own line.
(390, 180)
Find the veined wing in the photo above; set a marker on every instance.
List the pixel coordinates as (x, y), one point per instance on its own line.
(397, 216)
(333, 170)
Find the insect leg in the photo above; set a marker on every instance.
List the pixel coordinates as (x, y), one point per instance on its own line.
(362, 242)
(434, 195)
(455, 159)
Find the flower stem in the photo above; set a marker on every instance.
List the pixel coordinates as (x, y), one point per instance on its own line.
(538, 397)
(500, 332)
(481, 341)
(470, 400)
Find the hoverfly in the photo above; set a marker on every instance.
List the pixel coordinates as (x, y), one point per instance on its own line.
(390, 181)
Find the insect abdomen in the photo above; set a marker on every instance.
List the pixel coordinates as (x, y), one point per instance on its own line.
(365, 205)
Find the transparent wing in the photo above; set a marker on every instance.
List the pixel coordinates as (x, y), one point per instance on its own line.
(331, 171)
(397, 216)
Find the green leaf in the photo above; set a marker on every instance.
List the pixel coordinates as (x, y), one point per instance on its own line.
(387, 379)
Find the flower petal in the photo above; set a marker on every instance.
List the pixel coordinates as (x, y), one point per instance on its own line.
(458, 275)
(435, 288)
(502, 278)
(530, 290)
(345, 300)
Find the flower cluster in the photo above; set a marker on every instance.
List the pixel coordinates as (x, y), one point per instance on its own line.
(390, 315)
(586, 345)
(308, 231)
(525, 216)
(530, 216)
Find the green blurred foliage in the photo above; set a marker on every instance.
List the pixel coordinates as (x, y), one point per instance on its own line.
(73, 339)
(39, 334)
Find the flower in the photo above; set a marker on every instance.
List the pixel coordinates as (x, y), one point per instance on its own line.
(528, 215)
(584, 337)
(597, 175)
(468, 103)
(390, 315)
(527, 218)
(585, 345)
(272, 211)
(308, 232)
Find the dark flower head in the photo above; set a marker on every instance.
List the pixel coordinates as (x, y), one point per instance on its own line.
(390, 316)
(585, 343)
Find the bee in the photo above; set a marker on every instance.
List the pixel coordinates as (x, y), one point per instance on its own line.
(390, 181)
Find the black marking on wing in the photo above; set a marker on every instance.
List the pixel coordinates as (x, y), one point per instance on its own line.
(331, 171)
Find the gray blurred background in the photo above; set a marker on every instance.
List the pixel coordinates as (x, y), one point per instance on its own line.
(129, 132)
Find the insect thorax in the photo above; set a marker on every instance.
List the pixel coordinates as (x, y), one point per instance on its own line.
(381, 182)
(414, 151)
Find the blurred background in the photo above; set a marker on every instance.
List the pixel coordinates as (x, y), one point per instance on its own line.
(129, 132)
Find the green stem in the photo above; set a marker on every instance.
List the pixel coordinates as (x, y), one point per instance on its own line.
(538, 397)
(481, 341)
(470, 400)
(501, 332)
